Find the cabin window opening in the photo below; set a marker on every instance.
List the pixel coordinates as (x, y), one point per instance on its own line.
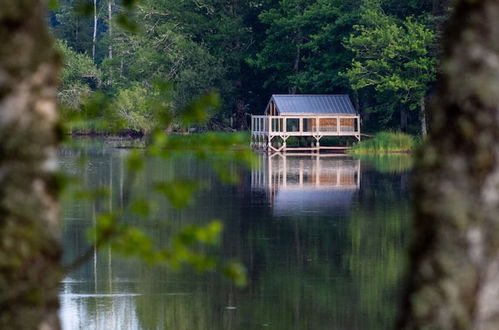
(308, 124)
(293, 125)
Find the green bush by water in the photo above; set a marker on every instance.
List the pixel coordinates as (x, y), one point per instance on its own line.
(386, 142)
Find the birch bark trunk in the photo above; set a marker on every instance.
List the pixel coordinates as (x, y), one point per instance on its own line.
(110, 27)
(424, 126)
(94, 35)
(454, 273)
(30, 269)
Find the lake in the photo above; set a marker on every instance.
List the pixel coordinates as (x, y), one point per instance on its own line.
(323, 239)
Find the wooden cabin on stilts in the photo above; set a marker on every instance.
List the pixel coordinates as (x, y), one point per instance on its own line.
(306, 117)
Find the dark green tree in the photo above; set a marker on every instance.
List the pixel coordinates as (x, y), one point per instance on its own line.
(393, 59)
(324, 55)
(79, 77)
(302, 50)
(224, 29)
(280, 56)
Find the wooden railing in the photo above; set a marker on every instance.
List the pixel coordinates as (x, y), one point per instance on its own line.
(305, 126)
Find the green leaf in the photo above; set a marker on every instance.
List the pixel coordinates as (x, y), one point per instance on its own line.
(178, 192)
(96, 106)
(106, 225)
(236, 272)
(159, 143)
(135, 161)
(83, 8)
(53, 5)
(199, 110)
(142, 207)
(92, 194)
(127, 23)
(129, 3)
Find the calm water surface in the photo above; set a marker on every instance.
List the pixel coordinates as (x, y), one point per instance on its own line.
(323, 240)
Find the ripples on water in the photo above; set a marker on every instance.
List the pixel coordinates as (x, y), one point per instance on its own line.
(322, 238)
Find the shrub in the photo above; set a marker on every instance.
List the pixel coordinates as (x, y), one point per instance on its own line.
(130, 110)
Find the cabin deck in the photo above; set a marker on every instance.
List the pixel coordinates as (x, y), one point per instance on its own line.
(270, 133)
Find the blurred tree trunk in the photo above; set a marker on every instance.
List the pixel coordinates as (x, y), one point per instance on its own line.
(29, 243)
(454, 275)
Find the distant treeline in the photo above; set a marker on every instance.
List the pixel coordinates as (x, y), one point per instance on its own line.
(381, 52)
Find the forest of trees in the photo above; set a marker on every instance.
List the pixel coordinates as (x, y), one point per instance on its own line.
(455, 261)
(381, 52)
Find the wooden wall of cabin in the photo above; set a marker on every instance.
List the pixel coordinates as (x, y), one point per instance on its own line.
(329, 124)
(271, 109)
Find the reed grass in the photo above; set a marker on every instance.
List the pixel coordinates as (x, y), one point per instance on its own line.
(386, 142)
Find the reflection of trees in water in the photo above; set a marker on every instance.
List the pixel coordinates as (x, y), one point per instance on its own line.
(347, 274)
(376, 251)
(337, 268)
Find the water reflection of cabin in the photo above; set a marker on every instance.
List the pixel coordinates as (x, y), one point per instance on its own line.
(309, 116)
(298, 183)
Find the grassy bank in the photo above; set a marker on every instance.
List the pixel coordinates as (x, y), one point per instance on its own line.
(386, 142)
(210, 139)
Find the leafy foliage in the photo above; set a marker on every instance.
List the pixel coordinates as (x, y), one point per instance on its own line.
(393, 57)
(78, 78)
(134, 108)
(381, 52)
(302, 51)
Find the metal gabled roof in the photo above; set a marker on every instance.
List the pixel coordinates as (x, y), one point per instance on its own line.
(313, 104)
